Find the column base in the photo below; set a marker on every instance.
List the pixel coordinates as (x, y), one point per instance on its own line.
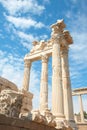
(59, 117)
(73, 124)
(49, 119)
(65, 124)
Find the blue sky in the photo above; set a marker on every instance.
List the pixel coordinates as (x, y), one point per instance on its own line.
(23, 21)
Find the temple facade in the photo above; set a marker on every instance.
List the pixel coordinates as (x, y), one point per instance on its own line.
(61, 115)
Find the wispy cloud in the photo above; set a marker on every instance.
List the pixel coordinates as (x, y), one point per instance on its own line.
(26, 37)
(15, 7)
(11, 67)
(24, 23)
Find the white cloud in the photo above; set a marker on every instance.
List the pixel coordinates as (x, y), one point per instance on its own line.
(27, 45)
(78, 49)
(27, 37)
(24, 23)
(11, 67)
(30, 37)
(15, 7)
(43, 37)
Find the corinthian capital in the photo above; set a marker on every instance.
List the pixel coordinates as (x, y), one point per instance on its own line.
(44, 58)
(57, 31)
(27, 63)
(58, 27)
(64, 50)
(67, 37)
(56, 38)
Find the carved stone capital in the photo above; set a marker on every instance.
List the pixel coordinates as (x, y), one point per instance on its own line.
(56, 38)
(44, 58)
(64, 50)
(58, 27)
(67, 37)
(27, 63)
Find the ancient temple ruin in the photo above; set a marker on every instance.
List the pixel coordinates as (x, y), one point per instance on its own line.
(57, 47)
(10, 98)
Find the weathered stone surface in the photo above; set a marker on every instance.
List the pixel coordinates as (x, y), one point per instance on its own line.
(82, 126)
(10, 103)
(5, 84)
(7, 123)
(26, 104)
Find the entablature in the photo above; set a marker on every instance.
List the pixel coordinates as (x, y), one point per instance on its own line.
(79, 91)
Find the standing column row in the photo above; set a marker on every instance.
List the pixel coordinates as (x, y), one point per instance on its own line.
(44, 84)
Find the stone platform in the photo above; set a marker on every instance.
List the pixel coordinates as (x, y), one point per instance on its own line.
(7, 123)
(82, 126)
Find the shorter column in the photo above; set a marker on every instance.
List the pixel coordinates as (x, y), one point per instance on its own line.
(44, 84)
(26, 79)
(81, 109)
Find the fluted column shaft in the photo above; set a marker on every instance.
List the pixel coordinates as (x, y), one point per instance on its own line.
(44, 84)
(57, 92)
(26, 79)
(67, 92)
(81, 109)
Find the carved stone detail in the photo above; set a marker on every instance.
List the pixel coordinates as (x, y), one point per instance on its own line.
(10, 103)
(37, 46)
(67, 37)
(37, 117)
(44, 58)
(26, 104)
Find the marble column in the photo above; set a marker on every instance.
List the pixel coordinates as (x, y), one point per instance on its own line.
(67, 92)
(26, 79)
(81, 109)
(44, 84)
(57, 92)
